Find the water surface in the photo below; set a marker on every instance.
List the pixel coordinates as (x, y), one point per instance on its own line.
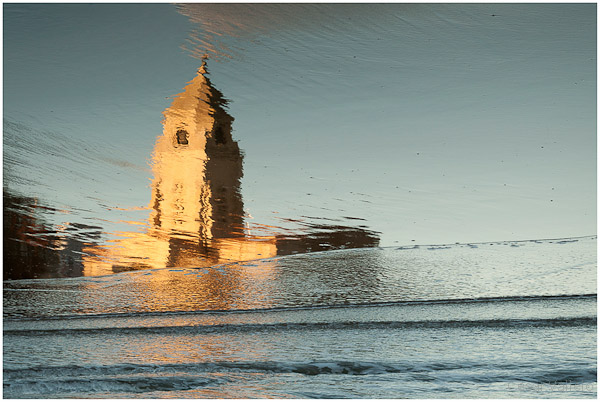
(299, 201)
(346, 126)
(503, 320)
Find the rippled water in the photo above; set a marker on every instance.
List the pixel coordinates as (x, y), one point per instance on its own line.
(450, 272)
(299, 200)
(392, 359)
(513, 319)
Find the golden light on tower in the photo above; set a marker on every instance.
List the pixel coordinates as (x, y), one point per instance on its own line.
(197, 216)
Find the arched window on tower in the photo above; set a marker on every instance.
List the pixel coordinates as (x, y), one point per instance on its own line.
(182, 137)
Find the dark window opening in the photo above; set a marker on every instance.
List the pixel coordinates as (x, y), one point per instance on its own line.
(182, 137)
(220, 136)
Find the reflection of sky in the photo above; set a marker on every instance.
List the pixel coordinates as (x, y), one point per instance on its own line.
(437, 123)
(97, 78)
(441, 107)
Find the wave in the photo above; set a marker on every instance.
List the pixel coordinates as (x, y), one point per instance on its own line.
(308, 368)
(140, 378)
(498, 299)
(557, 240)
(41, 387)
(311, 326)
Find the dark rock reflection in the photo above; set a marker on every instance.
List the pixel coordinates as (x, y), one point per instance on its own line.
(197, 212)
(33, 249)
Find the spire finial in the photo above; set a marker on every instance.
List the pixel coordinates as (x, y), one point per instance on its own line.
(202, 69)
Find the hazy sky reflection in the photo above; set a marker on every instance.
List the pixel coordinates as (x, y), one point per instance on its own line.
(432, 123)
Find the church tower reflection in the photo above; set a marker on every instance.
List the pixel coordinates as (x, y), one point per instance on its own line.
(197, 212)
(197, 216)
(197, 169)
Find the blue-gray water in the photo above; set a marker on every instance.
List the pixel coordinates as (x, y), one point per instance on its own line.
(493, 320)
(299, 200)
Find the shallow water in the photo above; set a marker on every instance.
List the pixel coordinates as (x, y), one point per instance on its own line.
(331, 278)
(302, 360)
(493, 320)
(299, 200)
